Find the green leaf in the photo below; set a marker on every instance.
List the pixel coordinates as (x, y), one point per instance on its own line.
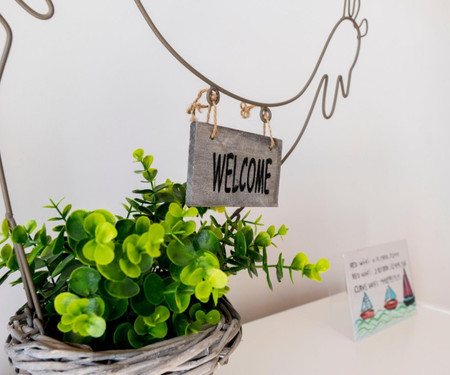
(213, 317)
(263, 239)
(6, 252)
(138, 154)
(271, 231)
(58, 228)
(206, 240)
(200, 316)
(141, 305)
(63, 300)
(179, 191)
(154, 288)
(240, 244)
(124, 227)
(84, 281)
(180, 323)
(177, 302)
(115, 308)
(96, 306)
(160, 331)
(147, 161)
(175, 210)
(160, 315)
(203, 291)
(187, 228)
(283, 230)
(112, 271)
(130, 269)
(310, 272)
(322, 265)
(79, 251)
(57, 244)
(279, 267)
(146, 263)
(122, 289)
(12, 263)
(150, 174)
(181, 254)
(96, 326)
(191, 212)
(299, 262)
(105, 233)
(19, 235)
(140, 327)
(266, 269)
(64, 327)
(30, 226)
(104, 254)
(133, 253)
(120, 337)
(194, 308)
(248, 233)
(5, 228)
(156, 237)
(42, 236)
(217, 278)
(74, 225)
(62, 265)
(135, 341)
(191, 274)
(142, 224)
(5, 277)
(109, 217)
(66, 210)
(92, 221)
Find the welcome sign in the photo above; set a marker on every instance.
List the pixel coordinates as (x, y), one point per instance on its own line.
(234, 169)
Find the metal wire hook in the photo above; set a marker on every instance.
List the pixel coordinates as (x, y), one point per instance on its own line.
(233, 95)
(41, 16)
(349, 11)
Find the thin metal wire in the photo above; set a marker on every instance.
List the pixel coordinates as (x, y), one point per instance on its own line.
(41, 16)
(348, 16)
(28, 285)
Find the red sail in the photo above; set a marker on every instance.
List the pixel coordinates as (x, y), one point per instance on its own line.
(407, 291)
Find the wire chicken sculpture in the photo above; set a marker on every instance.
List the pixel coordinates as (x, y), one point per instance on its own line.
(349, 14)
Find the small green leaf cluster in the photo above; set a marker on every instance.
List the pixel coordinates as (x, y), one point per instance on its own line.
(157, 272)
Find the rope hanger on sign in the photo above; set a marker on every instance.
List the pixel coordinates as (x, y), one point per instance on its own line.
(350, 13)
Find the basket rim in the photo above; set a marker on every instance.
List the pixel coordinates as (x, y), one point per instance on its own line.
(212, 345)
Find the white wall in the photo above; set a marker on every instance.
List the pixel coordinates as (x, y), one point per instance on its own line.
(83, 90)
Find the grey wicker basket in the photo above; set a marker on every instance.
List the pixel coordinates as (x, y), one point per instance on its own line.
(197, 354)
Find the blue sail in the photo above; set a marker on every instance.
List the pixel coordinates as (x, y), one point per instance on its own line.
(366, 303)
(390, 294)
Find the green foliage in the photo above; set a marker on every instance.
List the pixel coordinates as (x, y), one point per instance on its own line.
(145, 277)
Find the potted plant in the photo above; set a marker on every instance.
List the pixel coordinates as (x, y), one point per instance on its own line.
(138, 293)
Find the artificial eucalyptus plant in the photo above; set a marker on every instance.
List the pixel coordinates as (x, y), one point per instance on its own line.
(156, 273)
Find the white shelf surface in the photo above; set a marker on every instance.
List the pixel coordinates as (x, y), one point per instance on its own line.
(317, 339)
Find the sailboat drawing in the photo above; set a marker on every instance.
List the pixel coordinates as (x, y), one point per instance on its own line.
(408, 296)
(367, 308)
(390, 299)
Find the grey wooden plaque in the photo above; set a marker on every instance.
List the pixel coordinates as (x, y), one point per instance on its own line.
(234, 169)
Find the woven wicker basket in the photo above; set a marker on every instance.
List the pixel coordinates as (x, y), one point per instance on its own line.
(197, 354)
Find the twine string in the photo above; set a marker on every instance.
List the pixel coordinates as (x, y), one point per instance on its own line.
(211, 106)
(214, 98)
(196, 106)
(245, 110)
(267, 122)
